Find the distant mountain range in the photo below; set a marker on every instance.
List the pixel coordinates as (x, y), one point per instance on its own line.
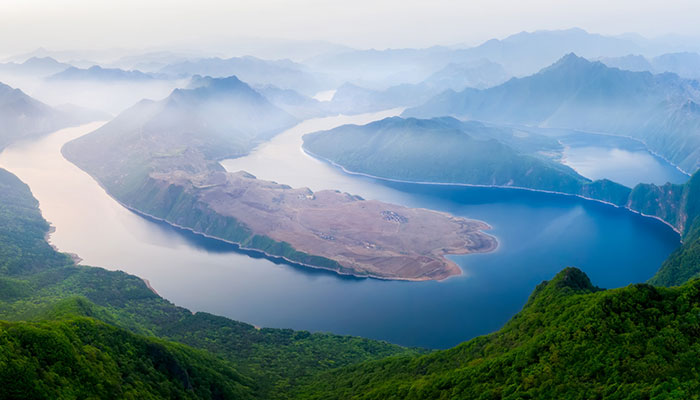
(35, 66)
(353, 99)
(574, 93)
(686, 65)
(97, 73)
(520, 54)
(281, 73)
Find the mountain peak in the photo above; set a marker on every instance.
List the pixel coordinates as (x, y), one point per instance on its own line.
(572, 278)
(570, 62)
(568, 281)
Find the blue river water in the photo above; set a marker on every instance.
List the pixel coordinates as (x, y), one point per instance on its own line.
(538, 233)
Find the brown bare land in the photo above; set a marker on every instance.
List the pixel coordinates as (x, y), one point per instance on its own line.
(367, 237)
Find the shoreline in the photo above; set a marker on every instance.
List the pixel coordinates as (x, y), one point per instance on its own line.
(148, 285)
(281, 258)
(350, 172)
(47, 237)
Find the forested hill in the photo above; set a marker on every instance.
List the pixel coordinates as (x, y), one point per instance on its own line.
(570, 341)
(446, 150)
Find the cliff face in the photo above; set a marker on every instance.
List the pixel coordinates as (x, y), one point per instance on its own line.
(681, 204)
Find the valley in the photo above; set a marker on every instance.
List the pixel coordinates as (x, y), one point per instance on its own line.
(443, 204)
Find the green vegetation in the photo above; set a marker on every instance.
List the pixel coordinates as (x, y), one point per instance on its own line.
(74, 304)
(446, 150)
(82, 358)
(570, 341)
(683, 207)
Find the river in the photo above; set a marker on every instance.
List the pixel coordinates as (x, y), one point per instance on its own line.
(538, 235)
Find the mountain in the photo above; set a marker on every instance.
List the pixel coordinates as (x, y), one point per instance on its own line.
(281, 73)
(630, 62)
(574, 93)
(680, 206)
(97, 73)
(520, 54)
(300, 106)
(214, 119)
(22, 116)
(527, 52)
(35, 66)
(446, 150)
(353, 99)
(571, 340)
(478, 74)
(684, 64)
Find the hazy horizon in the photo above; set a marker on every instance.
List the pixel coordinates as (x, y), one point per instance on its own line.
(213, 26)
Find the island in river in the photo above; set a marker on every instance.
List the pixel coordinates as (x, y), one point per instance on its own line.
(160, 159)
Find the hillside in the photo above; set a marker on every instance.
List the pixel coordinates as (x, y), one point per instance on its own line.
(23, 116)
(78, 357)
(679, 203)
(571, 340)
(446, 150)
(40, 285)
(573, 93)
(216, 118)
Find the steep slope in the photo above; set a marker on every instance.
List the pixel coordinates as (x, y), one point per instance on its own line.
(39, 284)
(22, 116)
(577, 94)
(217, 118)
(446, 150)
(83, 358)
(571, 340)
(681, 204)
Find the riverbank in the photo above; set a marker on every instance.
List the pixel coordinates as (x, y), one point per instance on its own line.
(380, 178)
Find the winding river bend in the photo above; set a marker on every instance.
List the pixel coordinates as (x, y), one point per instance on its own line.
(539, 234)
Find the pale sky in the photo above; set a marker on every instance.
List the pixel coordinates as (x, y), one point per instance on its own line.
(90, 24)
